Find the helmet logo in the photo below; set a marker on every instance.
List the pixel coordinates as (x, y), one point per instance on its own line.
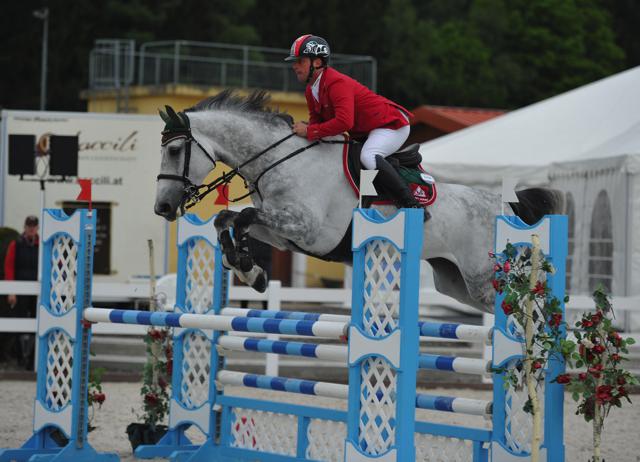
(315, 48)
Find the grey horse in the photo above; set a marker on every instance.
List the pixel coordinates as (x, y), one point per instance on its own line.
(303, 202)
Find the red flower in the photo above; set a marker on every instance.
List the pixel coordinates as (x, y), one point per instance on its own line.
(582, 376)
(156, 334)
(169, 367)
(615, 358)
(622, 391)
(506, 267)
(615, 338)
(496, 286)
(507, 308)
(98, 397)
(587, 323)
(596, 318)
(497, 268)
(536, 365)
(539, 289)
(598, 349)
(151, 399)
(556, 319)
(564, 378)
(603, 394)
(621, 380)
(595, 370)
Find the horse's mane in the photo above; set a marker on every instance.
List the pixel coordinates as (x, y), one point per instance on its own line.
(254, 103)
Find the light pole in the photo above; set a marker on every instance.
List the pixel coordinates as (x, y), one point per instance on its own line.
(43, 14)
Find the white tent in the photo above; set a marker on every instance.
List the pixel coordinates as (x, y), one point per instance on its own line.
(585, 142)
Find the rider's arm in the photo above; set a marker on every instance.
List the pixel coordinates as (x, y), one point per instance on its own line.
(342, 99)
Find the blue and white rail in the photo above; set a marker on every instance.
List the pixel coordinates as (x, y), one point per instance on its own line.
(427, 328)
(340, 353)
(333, 390)
(325, 329)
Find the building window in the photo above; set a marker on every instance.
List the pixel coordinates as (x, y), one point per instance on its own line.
(570, 211)
(601, 244)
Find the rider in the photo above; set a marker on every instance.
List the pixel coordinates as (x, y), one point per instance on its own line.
(337, 104)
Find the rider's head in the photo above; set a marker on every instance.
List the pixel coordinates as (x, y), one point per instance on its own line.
(309, 54)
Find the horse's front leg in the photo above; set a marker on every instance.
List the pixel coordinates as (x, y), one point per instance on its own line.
(297, 227)
(235, 255)
(223, 223)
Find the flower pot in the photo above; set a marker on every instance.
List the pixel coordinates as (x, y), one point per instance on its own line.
(143, 433)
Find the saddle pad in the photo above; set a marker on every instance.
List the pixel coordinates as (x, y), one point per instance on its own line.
(420, 182)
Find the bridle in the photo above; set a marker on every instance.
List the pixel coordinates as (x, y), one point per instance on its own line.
(195, 193)
(191, 190)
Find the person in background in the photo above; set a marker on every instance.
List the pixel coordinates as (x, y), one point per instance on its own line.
(21, 264)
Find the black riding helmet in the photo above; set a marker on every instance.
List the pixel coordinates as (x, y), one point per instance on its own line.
(311, 46)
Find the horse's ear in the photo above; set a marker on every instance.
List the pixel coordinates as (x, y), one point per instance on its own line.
(185, 119)
(164, 116)
(172, 114)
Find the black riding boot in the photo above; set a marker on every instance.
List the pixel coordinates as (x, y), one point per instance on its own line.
(389, 179)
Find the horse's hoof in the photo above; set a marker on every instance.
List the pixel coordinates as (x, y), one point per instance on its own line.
(260, 284)
(245, 262)
(232, 259)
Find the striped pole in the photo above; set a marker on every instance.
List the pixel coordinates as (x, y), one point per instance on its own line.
(427, 328)
(219, 323)
(334, 390)
(456, 331)
(309, 350)
(300, 315)
(454, 364)
(456, 405)
(266, 382)
(340, 353)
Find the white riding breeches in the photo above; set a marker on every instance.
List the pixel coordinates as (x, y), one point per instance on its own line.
(382, 142)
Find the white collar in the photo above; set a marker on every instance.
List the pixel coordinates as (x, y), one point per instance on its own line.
(315, 88)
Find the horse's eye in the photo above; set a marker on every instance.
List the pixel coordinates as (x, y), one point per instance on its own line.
(174, 150)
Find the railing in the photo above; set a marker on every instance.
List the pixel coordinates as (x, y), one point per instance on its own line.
(208, 64)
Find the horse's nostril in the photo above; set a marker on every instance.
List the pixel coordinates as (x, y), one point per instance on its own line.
(162, 209)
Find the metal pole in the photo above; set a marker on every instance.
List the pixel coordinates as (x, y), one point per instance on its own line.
(245, 66)
(374, 75)
(44, 15)
(176, 61)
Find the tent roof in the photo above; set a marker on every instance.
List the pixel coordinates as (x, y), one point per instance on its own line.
(627, 142)
(589, 120)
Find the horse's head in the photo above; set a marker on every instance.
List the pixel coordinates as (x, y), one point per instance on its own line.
(185, 164)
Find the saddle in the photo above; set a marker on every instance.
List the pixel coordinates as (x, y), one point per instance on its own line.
(406, 161)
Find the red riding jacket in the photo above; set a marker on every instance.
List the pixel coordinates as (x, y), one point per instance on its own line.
(348, 106)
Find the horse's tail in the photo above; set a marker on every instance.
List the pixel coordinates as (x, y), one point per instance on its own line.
(536, 203)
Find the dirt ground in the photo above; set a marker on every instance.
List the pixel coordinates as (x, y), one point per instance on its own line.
(621, 440)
